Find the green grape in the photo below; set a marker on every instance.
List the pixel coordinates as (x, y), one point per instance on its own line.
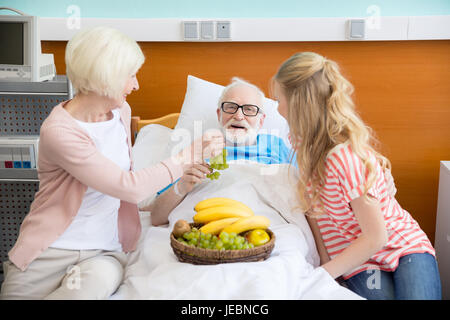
(224, 155)
(223, 241)
(187, 235)
(219, 245)
(223, 235)
(218, 162)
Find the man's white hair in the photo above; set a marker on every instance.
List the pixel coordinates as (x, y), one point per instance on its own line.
(235, 82)
(101, 59)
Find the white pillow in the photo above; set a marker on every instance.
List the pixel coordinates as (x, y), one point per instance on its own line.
(150, 146)
(200, 104)
(149, 149)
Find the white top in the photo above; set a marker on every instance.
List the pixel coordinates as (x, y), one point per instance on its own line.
(95, 225)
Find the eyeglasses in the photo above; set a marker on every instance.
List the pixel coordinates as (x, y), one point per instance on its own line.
(248, 110)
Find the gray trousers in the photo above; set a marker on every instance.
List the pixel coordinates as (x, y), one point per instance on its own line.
(65, 274)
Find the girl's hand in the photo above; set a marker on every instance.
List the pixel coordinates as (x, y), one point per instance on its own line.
(193, 175)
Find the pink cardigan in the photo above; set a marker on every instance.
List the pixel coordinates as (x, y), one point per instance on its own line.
(68, 163)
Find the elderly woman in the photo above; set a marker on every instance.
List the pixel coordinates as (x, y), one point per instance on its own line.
(84, 218)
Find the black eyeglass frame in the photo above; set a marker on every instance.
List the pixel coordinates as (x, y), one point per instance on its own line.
(242, 107)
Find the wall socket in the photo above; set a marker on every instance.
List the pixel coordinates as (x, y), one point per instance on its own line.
(223, 30)
(190, 30)
(208, 30)
(356, 29)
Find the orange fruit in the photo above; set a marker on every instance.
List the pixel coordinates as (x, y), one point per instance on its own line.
(257, 237)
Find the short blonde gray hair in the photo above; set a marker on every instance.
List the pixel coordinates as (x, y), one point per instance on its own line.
(101, 59)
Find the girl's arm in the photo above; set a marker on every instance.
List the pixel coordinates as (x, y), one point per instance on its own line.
(372, 239)
(323, 254)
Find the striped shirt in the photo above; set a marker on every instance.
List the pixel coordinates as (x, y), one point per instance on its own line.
(339, 226)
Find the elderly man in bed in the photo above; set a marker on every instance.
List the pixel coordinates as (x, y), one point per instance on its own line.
(240, 114)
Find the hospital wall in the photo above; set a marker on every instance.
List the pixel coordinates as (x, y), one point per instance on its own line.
(402, 90)
(136, 9)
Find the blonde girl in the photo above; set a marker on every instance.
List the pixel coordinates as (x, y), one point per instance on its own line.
(363, 235)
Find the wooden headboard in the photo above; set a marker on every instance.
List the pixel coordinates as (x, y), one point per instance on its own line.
(137, 123)
(402, 89)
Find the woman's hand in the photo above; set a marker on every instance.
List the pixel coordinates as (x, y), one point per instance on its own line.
(193, 175)
(209, 145)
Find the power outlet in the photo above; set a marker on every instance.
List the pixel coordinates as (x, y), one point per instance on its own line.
(356, 29)
(223, 30)
(190, 30)
(207, 30)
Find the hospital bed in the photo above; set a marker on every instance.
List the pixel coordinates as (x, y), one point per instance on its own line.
(291, 272)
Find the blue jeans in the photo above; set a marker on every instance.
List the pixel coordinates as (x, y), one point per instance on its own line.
(416, 278)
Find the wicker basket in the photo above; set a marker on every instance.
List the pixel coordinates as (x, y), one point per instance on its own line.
(195, 255)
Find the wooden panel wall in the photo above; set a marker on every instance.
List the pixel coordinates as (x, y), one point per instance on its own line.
(402, 89)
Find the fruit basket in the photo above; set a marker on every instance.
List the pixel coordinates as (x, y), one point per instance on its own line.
(196, 255)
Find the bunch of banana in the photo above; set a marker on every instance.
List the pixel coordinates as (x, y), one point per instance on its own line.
(225, 214)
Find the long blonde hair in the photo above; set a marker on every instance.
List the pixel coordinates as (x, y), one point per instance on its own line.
(321, 115)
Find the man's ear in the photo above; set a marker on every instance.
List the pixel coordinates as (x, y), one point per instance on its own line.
(218, 114)
(261, 120)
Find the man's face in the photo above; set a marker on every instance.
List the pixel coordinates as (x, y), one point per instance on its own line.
(238, 128)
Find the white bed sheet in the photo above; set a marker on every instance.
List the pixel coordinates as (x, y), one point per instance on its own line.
(291, 272)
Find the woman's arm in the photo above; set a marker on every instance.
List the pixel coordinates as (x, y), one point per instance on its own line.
(72, 150)
(323, 254)
(372, 239)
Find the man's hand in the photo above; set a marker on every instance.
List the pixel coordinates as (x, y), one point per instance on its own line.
(192, 176)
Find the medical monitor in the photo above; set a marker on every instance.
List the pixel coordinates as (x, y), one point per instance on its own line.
(20, 55)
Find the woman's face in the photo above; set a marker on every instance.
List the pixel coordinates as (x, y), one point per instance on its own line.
(131, 85)
(281, 98)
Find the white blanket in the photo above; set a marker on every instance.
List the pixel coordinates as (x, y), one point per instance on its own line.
(291, 272)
